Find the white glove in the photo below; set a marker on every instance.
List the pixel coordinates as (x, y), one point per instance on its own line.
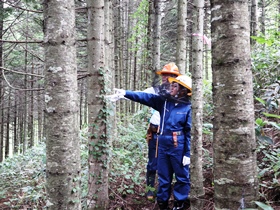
(120, 92)
(114, 97)
(186, 161)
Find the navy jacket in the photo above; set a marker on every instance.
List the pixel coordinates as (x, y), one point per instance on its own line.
(175, 117)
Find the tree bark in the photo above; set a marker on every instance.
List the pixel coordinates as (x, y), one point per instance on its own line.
(197, 191)
(234, 145)
(157, 34)
(61, 105)
(98, 139)
(181, 52)
(7, 142)
(254, 20)
(1, 84)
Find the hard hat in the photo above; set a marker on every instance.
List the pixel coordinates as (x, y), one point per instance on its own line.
(169, 68)
(183, 80)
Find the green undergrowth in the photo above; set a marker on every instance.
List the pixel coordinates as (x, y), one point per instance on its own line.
(22, 177)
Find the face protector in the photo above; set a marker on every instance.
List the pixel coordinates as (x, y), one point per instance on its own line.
(164, 91)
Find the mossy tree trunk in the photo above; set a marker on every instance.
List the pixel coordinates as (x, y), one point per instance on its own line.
(99, 83)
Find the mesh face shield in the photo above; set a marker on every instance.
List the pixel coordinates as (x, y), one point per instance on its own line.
(164, 91)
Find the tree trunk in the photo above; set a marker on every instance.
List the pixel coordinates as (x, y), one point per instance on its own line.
(31, 111)
(197, 191)
(15, 125)
(262, 18)
(98, 139)
(254, 20)
(156, 39)
(235, 167)
(7, 142)
(1, 84)
(150, 42)
(189, 31)
(61, 105)
(181, 52)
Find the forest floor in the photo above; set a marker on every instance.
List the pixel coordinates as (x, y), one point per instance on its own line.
(138, 201)
(269, 184)
(22, 181)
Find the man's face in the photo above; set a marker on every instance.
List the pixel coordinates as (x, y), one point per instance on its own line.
(164, 77)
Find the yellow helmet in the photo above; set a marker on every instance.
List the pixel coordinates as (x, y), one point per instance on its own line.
(169, 68)
(183, 80)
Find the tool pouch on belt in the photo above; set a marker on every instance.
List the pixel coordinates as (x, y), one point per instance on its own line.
(175, 140)
(149, 135)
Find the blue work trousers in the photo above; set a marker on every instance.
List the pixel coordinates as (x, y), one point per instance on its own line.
(170, 163)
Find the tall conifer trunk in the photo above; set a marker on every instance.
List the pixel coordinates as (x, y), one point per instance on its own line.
(197, 191)
(235, 167)
(98, 197)
(61, 106)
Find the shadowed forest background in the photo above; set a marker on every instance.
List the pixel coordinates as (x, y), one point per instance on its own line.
(143, 36)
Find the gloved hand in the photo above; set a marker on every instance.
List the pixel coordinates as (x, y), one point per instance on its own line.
(118, 94)
(114, 97)
(186, 161)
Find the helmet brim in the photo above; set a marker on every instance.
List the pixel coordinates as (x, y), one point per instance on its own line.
(160, 72)
(171, 79)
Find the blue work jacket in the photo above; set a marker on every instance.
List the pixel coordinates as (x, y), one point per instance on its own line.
(175, 117)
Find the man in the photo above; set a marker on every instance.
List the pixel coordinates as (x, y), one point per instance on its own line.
(169, 70)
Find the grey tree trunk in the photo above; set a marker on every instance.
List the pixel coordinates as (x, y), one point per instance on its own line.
(235, 167)
(150, 42)
(158, 5)
(197, 191)
(15, 125)
(98, 138)
(61, 105)
(262, 17)
(254, 20)
(7, 141)
(181, 51)
(1, 85)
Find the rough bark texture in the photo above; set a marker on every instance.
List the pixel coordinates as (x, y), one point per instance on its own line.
(181, 51)
(254, 19)
(197, 190)
(158, 5)
(98, 139)
(61, 101)
(1, 85)
(235, 168)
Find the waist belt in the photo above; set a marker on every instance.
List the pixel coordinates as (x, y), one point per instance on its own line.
(154, 128)
(171, 133)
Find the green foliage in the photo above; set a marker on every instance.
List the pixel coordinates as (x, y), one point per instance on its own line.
(207, 99)
(259, 129)
(263, 206)
(269, 168)
(265, 61)
(129, 154)
(265, 109)
(22, 178)
(139, 31)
